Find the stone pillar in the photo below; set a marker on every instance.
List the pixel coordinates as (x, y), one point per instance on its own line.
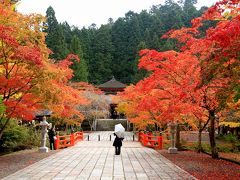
(95, 125)
(44, 124)
(172, 149)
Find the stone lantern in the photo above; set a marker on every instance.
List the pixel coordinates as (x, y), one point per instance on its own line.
(44, 125)
(172, 149)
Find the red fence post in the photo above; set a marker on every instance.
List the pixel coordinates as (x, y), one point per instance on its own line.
(72, 140)
(81, 133)
(56, 143)
(160, 142)
(68, 140)
(140, 136)
(145, 139)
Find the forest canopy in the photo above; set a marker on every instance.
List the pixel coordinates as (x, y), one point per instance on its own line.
(112, 49)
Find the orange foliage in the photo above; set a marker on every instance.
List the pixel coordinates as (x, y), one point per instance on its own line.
(29, 80)
(193, 81)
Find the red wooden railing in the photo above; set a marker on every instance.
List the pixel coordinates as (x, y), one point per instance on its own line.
(68, 140)
(150, 141)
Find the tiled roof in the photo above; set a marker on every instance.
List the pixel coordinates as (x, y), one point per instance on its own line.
(44, 112)
(113, 83)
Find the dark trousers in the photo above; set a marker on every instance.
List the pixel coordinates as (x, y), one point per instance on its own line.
(117, 150)
(51, 144)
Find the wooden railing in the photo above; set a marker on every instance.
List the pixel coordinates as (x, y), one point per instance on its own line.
(68, 140)
(149, 140)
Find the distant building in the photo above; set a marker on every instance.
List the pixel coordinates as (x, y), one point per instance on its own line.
(41, 113)
(112, 87)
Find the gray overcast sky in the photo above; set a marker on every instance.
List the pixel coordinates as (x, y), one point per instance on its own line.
(85, 12)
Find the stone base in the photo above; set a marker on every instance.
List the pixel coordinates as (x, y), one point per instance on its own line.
(43, 149)
(172, 150)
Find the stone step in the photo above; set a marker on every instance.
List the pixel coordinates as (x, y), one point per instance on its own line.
(109, 124)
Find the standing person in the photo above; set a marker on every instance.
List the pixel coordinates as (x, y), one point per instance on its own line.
(51, 135)
(117, 143)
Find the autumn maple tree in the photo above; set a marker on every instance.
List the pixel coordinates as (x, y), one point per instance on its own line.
(218, 56)
(197, 80)
(29, 79)
(97, 106)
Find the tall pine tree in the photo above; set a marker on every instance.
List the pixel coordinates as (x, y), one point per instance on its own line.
(55, 39)
(80, 68)
(101, 60)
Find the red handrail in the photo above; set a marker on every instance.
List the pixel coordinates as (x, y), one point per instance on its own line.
(150, 141)
(68, 140)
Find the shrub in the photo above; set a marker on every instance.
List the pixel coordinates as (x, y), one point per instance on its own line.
(16, 137)
(224, 148)
(234, 142)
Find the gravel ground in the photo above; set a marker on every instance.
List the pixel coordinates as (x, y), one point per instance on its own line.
(10, 163)
(203, 167)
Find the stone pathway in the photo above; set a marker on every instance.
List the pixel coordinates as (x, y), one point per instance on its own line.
(107, 135)
(95, 160)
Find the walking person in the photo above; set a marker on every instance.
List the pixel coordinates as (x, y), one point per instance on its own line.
(52, 136)
(117, 143)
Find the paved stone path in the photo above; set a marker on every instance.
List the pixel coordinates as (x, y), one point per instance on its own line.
(107, 135)
(95, 160)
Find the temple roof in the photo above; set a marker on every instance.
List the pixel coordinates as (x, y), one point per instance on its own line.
(43, 112)
(113, 83)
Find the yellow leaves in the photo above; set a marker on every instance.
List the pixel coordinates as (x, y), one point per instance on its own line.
(115, 99)
(230, 11)
(121, 108)
(230, 124)
(17, 95)
(2, 69)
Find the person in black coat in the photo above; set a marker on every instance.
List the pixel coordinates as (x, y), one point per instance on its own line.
(51, 135)
(117, 143)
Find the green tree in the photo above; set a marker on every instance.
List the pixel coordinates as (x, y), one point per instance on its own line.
(189, 11)
(80, 68)
(55, 39)
(67, 32)
(2, 107)
(123, 37)
(170, 14)
(100, 61)
(139, 74)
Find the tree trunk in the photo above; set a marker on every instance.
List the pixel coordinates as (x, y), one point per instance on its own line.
(3, 127)
(91, 126)
(212, 135)
(156, 128)
(178, 143)
(66, 128)
(200, 129)
(91, 123)
(200, 149)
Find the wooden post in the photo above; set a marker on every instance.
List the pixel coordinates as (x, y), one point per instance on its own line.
(145, 139)
(72, 141)
(160, 142)
(56, 143)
